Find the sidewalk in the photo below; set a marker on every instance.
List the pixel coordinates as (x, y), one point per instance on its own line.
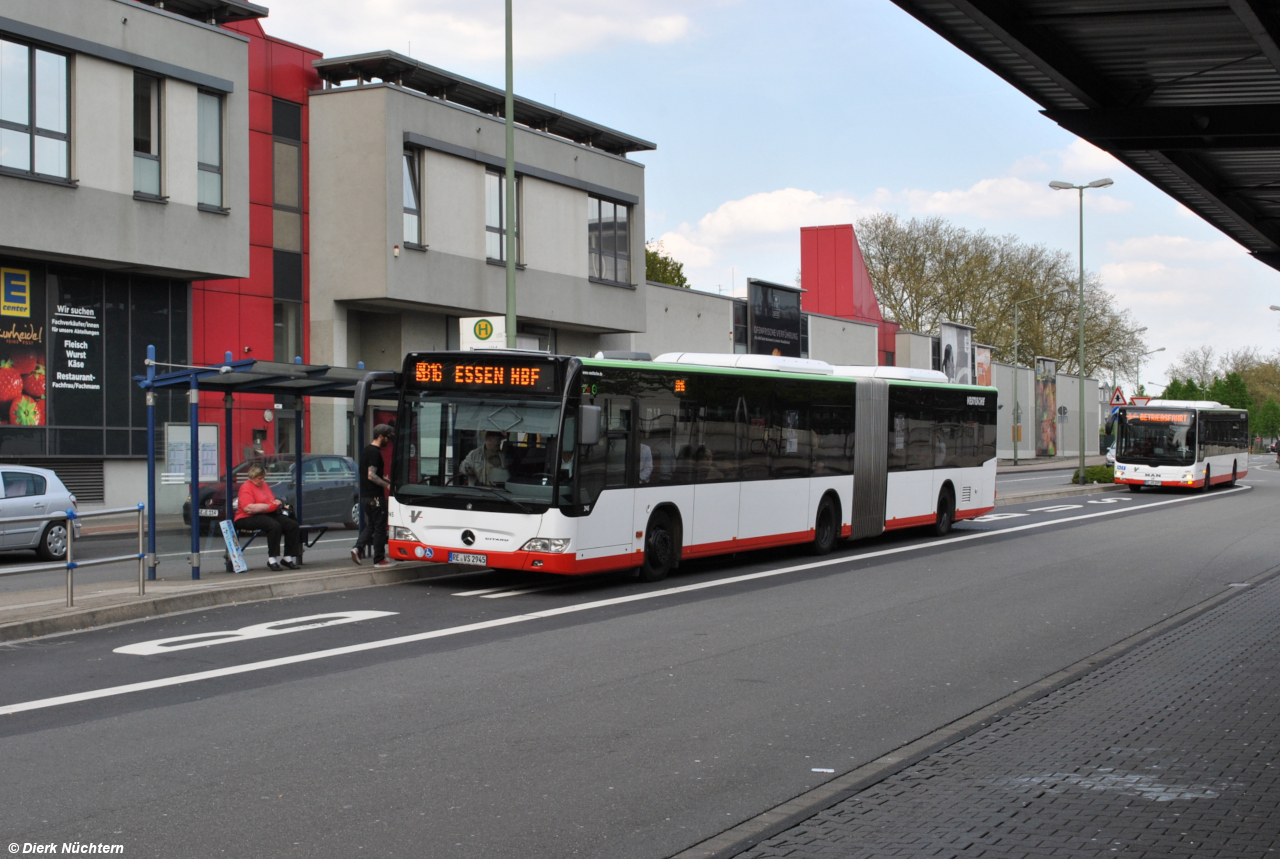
(1163, 745)
(1047, 463)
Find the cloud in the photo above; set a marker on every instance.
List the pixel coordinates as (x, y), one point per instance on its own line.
(1087, 160)
(452, 31)
(1175, 248)
(761, 230)
(1007, 197)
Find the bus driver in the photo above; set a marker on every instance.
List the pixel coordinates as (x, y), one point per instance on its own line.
(487, 464)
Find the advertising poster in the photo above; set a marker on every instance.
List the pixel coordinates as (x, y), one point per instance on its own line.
(1046, 407)
(22, 349)
(75, 328)
(982, 365)
(955, 344)
(774, 318)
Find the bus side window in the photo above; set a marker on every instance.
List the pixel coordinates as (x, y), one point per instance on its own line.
(618, 438)
(790, 440)
(592, 464)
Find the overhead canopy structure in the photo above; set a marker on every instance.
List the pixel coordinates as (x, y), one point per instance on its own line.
(1185, 92)
(390, 67)
(211, 11)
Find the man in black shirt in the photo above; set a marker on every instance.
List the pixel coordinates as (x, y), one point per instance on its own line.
(373, 485)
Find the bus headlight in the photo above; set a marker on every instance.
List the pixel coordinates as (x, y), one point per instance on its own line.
(546, 544)
(398, 533)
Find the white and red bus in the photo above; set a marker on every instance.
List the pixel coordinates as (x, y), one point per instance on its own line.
(1188, 443)
(555, 464)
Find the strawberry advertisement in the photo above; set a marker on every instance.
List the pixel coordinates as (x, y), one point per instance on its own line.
(23, 377)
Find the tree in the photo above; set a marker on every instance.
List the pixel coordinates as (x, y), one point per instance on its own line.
(661, 267)
(1197, 364)
(1174, 391)
(926, 271)
(1267, 421)
(1231, 391)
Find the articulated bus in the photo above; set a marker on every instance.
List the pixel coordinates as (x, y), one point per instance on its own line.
(1188, 443)
(529, 461)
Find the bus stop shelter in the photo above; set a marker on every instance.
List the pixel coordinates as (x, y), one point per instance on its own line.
(293, 383)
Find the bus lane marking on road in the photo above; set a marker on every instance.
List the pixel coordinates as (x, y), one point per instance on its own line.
(247, 633)
(1057, 508)
(996, 517)
(232, 670)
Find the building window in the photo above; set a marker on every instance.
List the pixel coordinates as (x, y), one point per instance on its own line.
(209, 149)
(33, 110)
(804, 335)
(286, 177)
(288, 330)
(412, 199)
(609, 240)
(146, 135)
(495, 217)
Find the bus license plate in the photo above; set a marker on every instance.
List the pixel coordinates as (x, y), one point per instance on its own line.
(468, 558)
(212, 514)
(1154, 483)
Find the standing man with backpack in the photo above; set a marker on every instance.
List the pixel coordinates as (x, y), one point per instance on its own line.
(373, 500)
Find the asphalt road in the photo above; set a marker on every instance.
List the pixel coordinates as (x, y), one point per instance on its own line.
(510, 716)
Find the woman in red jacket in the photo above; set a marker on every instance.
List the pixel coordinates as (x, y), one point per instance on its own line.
(259, 510)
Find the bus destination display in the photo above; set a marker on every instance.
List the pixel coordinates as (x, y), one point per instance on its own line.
(484, 376)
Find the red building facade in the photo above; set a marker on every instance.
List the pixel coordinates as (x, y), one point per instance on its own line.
(837, 283)
(266, 315)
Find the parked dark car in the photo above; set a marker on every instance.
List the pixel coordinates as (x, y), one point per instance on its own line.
(330, 492)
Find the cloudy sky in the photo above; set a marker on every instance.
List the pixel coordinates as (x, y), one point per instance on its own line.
(768, 119)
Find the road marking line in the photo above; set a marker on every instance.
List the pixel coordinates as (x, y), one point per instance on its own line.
(517, 593)
(481, 592)
(257, 630)
(1055, 508)
(996, 517)
(232, 670)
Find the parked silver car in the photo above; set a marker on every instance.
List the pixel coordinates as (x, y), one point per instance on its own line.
(34, 492)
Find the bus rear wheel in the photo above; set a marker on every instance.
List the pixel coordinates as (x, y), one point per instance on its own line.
(659, 549)
(825, 529)
(946, 514)
(1135, 487)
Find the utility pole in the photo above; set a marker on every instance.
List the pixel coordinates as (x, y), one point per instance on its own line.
(509, 213)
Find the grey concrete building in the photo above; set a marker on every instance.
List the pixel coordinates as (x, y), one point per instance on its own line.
(123, 176)
(407, 227)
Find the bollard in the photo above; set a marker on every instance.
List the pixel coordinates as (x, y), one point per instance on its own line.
(142, 555)
(71, 565)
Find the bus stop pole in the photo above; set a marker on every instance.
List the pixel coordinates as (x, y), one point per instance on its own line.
(193, 459)
(228, 458)
(297, 446)
(151, 465)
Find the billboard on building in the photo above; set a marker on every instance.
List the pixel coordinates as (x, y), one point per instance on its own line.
(22, 348)
(982, 365)
(774, 318)
(1046, 407)
(955, 346)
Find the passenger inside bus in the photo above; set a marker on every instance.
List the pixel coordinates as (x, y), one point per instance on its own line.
(706, 468)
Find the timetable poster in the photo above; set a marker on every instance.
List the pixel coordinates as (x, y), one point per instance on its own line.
(22, 347)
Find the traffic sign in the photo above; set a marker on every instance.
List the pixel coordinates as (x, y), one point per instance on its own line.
(1117, 399)
(1139, 401)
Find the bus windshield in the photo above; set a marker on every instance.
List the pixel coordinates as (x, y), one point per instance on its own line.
(1157, 438)
(460, 451)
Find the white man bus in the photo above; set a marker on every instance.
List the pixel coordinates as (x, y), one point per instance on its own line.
(1194, 444)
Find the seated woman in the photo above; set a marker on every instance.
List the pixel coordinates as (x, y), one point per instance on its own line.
(259, 510)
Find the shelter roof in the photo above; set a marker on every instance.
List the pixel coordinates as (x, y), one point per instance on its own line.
(273, 377)
(1185, 92)
(390, 67)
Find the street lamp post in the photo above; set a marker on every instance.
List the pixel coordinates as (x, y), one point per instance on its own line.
(509, 214)
(1140, 357)
(1017, 412)
(1062, 186)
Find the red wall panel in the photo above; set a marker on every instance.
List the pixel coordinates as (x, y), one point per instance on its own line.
(259, 111)
(260, 221)
(260, 168)
(261, 272)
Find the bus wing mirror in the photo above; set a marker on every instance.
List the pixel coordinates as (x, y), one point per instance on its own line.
(588, 425)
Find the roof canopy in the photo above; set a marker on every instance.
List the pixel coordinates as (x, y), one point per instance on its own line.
(276, 378)
(404, 71)
(215, 11)
(1185, 92)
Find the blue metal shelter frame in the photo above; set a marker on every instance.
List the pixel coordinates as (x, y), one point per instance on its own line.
(296, 381)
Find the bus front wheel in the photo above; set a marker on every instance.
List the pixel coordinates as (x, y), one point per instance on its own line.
(659, 549)
(1207, 480)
